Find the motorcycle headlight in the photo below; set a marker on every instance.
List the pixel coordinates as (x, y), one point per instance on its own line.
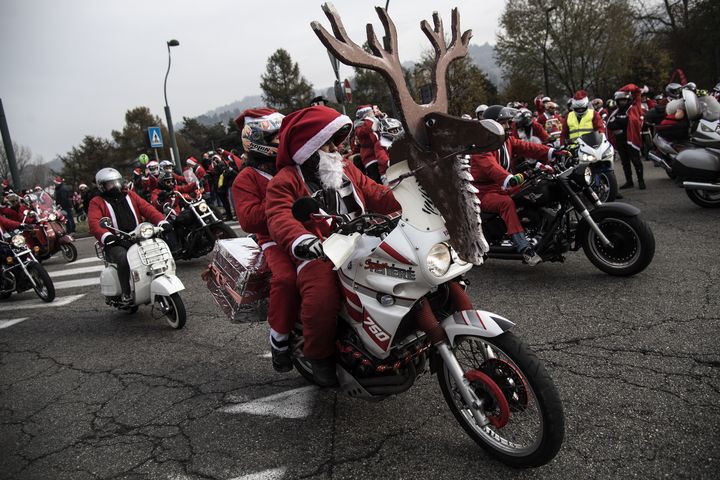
(18, 241)
(586, 157)
(582, 175)
(202, 206)
(52, 217)
(146, 230)
(438, 259)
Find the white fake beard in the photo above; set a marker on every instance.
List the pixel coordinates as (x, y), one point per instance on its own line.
(330, 169)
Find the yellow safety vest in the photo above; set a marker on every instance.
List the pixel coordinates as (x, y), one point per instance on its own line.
(577, 128)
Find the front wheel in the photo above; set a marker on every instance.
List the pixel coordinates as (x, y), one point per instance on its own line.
(174, 310)
(704, 198)
(605, 186)
(69, 251)
(44, 286)
(527, 423)
(633, 244)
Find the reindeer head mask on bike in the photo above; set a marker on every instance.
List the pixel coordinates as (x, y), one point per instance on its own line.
(435, 142)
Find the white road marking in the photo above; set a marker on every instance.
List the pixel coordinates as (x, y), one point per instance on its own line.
(83, 282)
(295, 404)
(86, 260)
(265, 355)
(7, 323)
(76, 271)
(37, 303)
(271, 474)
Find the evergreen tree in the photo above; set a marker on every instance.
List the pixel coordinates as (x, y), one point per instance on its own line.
(282, 85)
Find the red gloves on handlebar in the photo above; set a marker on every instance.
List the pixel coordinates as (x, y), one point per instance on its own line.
(560, 154)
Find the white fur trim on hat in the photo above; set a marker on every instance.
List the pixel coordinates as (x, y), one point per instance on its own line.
(320, 139)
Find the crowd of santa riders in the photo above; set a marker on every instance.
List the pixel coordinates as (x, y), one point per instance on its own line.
(342, 163)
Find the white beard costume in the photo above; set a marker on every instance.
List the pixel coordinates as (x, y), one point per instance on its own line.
(330, 169)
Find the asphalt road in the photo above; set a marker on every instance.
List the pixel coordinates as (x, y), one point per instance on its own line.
(90, 393)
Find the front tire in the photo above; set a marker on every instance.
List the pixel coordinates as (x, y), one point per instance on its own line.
(704, 198)
(633, 244)
(174, 311)
(45, 288)
(607, 188)
(70, 252)
(533, 432)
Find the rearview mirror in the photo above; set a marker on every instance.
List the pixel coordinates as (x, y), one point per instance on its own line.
(304, 207)
(105, 222)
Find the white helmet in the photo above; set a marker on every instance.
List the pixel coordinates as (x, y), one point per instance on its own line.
(105, 175)
(153, 167)
(166, 165)
(480, 110)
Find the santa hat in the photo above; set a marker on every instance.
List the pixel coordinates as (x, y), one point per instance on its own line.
(192, 161)
(580, 94)
(363, 110)
(58, 180)
(254, 114)
(304, 131)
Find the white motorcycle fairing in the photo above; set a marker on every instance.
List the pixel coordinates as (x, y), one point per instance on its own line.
(475, 322)
(165, 285)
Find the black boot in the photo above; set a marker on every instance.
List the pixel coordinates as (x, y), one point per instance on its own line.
(628, 184)
(641, 184)
(324, 372)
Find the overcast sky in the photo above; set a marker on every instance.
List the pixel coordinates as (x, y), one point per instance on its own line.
(71, 68)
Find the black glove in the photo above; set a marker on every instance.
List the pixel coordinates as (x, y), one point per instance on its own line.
(309, 249)
(111, 240)
(26, 227)
(166, 226)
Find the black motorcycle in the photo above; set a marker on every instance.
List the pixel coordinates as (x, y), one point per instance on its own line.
(552, 209)
(20, 270)
(195, 228)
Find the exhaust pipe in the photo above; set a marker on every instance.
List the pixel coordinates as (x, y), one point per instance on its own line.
(713, 187)
(659, 161)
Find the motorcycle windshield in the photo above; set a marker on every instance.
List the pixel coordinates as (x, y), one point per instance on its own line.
(190, 176)
(592, 139)
(710, 108)
(43, 202)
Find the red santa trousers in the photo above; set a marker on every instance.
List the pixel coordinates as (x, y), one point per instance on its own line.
(500, 202)
(284, 300)
(320, 305)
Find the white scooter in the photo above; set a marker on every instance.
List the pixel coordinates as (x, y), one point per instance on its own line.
(152, 274)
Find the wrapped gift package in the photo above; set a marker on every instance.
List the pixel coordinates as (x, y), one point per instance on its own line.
(239, 279)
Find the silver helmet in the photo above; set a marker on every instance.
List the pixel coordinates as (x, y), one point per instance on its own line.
(106, 175)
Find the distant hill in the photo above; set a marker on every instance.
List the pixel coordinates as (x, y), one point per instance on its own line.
(481, 55)
(55, 165)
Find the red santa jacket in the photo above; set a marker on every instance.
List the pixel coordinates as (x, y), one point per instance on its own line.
(232, 159)
(99, 208)
(536, 130)
(248, 193)
(288, 185)
(370, 149)
(7, 225)
(491, 170)
(149, 183)
(598, 125)
(183, 189)
(635, 118)
(12, 213)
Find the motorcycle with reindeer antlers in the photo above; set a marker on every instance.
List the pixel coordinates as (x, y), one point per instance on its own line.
(405, 309)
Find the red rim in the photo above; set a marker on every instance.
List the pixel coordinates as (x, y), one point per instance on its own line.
(489, 386)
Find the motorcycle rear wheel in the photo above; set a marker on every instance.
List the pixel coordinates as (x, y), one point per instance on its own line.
(704, 198)
(535, 429)
(633, 245)
(46, 288)
(69, 252)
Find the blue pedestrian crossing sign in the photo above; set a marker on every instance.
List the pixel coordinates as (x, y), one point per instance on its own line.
(155, 137)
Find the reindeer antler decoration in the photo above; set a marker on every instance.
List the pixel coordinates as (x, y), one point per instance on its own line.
(434, 139)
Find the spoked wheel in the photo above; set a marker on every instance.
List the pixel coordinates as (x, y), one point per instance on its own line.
(633, 245)
(69, 252)
(527, 423)
(605, 186)
(704, 198)
(44, 287)
(174, 310)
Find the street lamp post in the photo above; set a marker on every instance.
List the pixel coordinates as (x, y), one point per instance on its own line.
(545, 63)
(168, 117)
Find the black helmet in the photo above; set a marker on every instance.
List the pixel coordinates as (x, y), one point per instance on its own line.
(673, 90)
(166, 180)
(523, 118)
(499, 113)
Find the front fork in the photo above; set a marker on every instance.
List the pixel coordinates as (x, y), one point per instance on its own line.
(428, 322)
(580, 207)
(18, 257)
